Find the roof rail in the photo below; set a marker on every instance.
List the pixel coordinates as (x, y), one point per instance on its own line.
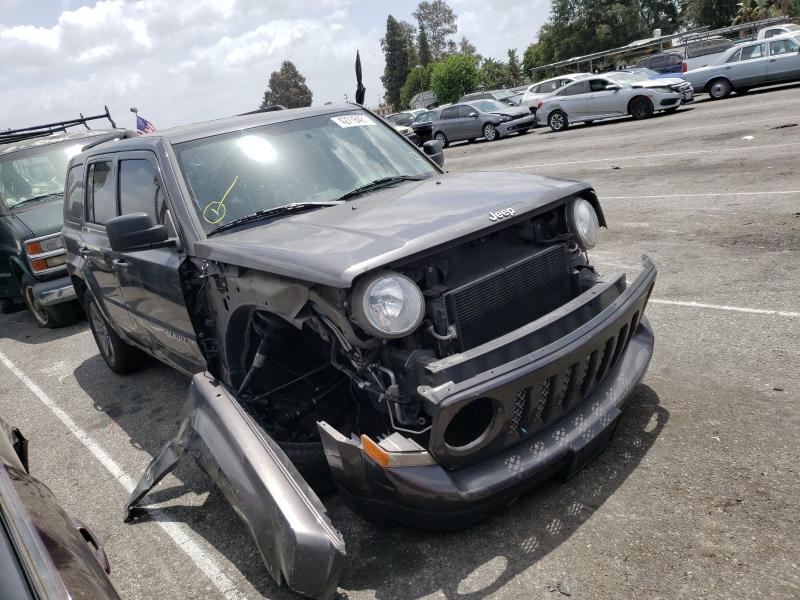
(271, 108)
(117, 135)
(24, 133)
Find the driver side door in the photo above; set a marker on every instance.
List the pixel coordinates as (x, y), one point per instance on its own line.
(603, 102)
(150, 279)
(574, 100)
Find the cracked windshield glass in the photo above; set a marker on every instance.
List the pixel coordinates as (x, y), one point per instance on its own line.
(38, 173)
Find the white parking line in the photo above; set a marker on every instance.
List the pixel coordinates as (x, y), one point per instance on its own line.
(641, 156)
(174, 530)
(703, 195)
(741, 309)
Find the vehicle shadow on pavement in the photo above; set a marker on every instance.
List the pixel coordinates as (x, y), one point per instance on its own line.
(20, 326)
(478, 561)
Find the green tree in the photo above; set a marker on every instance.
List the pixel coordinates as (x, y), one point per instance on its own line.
(423, 49)
(514, 70)
(411, 42)
(534, 56)
(493, 74)
(709, 13)
(418, 80)
(395, 53)
(287, 87)
(468, 49)
(439, 22)
(453, 77)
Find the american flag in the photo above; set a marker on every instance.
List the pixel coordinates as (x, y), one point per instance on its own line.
(144, 126)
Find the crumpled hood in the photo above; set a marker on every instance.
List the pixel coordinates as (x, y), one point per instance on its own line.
(663, 82)
(514, 111)
(42, 218)
(332, 246)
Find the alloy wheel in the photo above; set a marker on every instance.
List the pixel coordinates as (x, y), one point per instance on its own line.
(489, 132)
(101, 333)
(37, 308)
(557, 122)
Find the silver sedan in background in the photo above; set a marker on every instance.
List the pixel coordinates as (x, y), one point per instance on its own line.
(610, 95)
(749, 65)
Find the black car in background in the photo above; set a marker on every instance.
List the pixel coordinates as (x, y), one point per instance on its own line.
(431, 344)
(33, 162)
(44, 553)
(422, 125)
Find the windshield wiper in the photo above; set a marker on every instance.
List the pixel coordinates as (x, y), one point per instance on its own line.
(40, 197)
(380, 183)
(272, 212)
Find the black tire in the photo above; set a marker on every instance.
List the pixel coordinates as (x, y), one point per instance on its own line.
(557, 120)
(309, 459)
(442, 138)
(719, 88)
(120, 357)
(490, 133)
(523, 131)
(641, 108)
(53, 316)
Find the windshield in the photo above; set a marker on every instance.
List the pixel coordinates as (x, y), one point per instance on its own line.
(34, 173)
(425, 117)
(308, 160)
(488, 105)
(626, 78)
(645, 72)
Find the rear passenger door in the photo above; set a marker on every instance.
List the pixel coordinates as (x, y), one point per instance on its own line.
(752, 67)
(150, 279)
(98, 268)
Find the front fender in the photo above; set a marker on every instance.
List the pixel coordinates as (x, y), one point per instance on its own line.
(288, 522)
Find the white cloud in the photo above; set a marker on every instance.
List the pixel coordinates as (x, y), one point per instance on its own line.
(186, 60)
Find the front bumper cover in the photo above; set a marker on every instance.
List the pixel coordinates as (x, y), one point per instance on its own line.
(54, 291)
(507, 127)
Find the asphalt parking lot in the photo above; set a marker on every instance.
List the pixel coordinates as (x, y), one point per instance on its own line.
(698, 495)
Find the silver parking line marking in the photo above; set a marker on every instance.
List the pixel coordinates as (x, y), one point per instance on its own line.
(660, 155)
(756, 311)
(704, 195)
(176, 531)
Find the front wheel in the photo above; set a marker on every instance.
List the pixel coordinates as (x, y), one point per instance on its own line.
(490, 132)
(558, 121)
(52, 316)
(719, 89)
(119, 356)
(641, 108)
(441, 138)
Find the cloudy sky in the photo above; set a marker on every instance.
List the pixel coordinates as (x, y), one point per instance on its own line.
(181, 61)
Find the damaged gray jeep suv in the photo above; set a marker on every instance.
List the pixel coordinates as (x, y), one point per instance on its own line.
(432, 344)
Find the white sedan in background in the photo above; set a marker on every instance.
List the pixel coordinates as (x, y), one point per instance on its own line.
(610, 95)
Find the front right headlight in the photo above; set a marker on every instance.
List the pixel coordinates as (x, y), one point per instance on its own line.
(388, 305)
(583, 223)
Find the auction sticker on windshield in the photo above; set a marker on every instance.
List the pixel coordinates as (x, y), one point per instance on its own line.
(352, 121)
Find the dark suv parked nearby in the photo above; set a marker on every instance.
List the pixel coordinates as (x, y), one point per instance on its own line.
(434, 344)
(33, 161)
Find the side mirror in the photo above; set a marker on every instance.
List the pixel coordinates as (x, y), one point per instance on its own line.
(136, 231)
(613, 87)
(433, 149)
(473, 115)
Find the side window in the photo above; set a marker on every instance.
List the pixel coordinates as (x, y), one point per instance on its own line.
(576, 88)
(751, 52)
(450, 112)
(674, 59)
(465, 111)
(658, 62)
(139, 190)
(779, 47)
(735, 57)
(102, 204)
(598, 85)
(772, 33)
(74, 194)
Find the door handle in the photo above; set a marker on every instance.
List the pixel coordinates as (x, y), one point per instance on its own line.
(120, 264)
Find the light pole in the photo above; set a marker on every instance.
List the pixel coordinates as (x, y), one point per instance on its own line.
(135, 111)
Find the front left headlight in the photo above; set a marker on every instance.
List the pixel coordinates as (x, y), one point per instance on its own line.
(583, 223)
(505, 118)
(388, 305)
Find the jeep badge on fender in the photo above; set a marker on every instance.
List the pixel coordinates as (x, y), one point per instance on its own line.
(501, 214)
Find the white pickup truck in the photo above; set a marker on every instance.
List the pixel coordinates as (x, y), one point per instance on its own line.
(774, 30)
